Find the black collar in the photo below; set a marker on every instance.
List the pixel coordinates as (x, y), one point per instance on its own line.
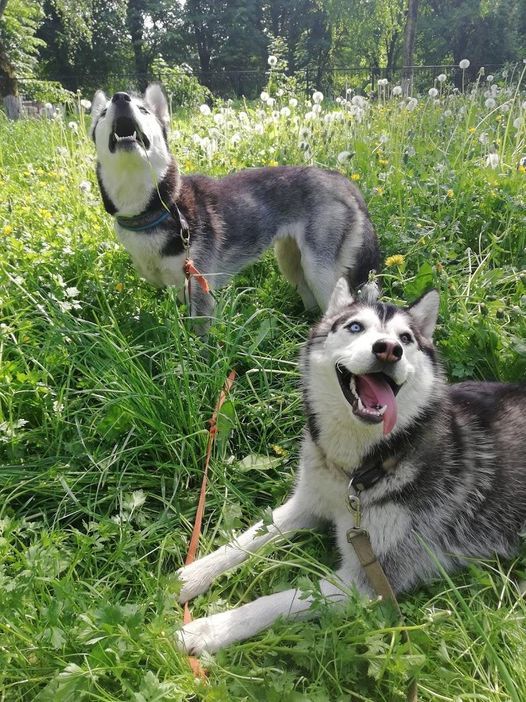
(368, 474)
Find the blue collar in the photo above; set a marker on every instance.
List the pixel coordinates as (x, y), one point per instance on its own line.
(144, 221)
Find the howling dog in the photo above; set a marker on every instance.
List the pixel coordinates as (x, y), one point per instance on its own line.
(439, 469)
(316, 219)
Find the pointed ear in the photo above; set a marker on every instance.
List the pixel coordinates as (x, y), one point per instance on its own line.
(341, 297)
(98, 104)
(424, 312)
(156, 101)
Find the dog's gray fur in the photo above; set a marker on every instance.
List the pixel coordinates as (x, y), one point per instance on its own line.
(316, 219)
(453, 477)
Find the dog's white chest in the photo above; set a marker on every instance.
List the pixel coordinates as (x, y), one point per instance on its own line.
(145, 249)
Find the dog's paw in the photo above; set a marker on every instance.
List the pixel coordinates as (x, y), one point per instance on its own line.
(205, 634)
(195, 579)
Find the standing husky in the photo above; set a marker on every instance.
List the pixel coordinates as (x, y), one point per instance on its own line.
(439, 469)
(316, 219)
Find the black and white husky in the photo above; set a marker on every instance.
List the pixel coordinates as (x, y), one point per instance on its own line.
(317, 220)
(440, 468)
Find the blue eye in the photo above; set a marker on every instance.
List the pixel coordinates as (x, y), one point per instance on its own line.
(354, 327)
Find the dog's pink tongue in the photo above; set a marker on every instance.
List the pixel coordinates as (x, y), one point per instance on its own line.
(373, 391)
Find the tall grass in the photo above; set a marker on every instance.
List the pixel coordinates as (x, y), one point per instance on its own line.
(105, 394)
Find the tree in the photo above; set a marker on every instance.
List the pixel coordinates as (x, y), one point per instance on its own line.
(409, 44)
(19, 20)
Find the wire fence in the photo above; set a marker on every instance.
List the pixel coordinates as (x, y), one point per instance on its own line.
(249, 83)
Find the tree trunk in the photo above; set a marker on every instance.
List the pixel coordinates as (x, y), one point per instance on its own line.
(409, 45)
(135, 21)
(9, 86)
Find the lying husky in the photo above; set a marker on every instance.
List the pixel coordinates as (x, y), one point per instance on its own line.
(439, 469)
(316, 219)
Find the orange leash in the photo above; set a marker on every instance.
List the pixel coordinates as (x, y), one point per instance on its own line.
(196, 531)
(191, 271)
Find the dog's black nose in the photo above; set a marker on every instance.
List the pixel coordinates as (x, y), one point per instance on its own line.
(387, 350)
(121, 97)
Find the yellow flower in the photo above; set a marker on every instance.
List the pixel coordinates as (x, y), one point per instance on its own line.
(522, 169)
(272, 163)
(45, 214)
(355, 176)
(449, 193)
(379, 191)
(472, 130)
(382, 162)
(278, 450)
(396, 260)
(7, 230)
(119, 287)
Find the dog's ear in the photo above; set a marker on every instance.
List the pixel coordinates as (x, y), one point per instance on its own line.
(98, 104)
(424, 312)
(156, 101)
(341, 297)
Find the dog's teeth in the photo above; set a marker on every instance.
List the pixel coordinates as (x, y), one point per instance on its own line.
(134, 135)
(381, 410)
(360, 405)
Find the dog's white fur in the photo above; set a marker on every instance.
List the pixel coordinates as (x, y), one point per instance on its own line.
(322, 486)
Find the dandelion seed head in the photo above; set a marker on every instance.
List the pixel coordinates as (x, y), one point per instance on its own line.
(317, 97)
(490, 78)
(205, 110)
(293, 102)
(344, 156)
(272, 61)
(85, 186)
(442, 78)
(382, 82)
(432, 92)
(264, 96)
(492, 161)
(465, 63)
(490, 103)
(397, 90)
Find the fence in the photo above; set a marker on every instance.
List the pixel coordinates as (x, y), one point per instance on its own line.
(249, 83)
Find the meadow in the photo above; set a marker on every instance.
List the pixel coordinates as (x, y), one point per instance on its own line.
(105, 393)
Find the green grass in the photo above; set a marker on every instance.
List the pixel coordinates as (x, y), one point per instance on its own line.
(105, 395)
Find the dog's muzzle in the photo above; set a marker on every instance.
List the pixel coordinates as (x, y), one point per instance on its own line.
(125, 133)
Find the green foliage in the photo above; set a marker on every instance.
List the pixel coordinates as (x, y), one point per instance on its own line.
(18, 27)
(47, 91)
(182, 87)
(105, 395)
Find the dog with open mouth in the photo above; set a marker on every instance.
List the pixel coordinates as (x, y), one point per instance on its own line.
(439, 469)
(316, 219)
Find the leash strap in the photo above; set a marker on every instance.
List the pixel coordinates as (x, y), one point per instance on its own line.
(361, 542)
(196, 531)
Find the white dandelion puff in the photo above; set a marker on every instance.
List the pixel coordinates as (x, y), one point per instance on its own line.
(205, 110)
(432, 92)
(272, 61)
(264, 96)
(397, 90)
(465, 63)
(442, 78)
(317, 97)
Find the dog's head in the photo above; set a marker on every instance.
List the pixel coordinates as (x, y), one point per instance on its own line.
(137, 127)
(374, 361)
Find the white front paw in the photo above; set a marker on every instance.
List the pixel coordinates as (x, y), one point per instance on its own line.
(195, 578)
(205, 634)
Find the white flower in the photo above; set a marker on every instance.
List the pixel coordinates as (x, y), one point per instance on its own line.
(442, 78)
(219, 119)
(517, 122)
(397, 90)
(62, 151)
(264, 96)
(293, 102)
(433, 92)
(492, 161)
(235, 138)
(490, 103)
(285, 112)
(259, 128)
(310, 115)
(383, 139)
(304, 133)
(279, 92)
(270, 101)
(317, 97)
(490, 78)
(85, 186)
(316, 109)
(505, 107)
(344, 156)
(272, 61)
(447, 113)
(359, 101)
(411, 104)
(73, 126)
(86, 104)
(72, 292)
(483, 138)
(524, 105)
(410, 151)
(57, 407)
(464, 64)
(205, 110)
(382, 82)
